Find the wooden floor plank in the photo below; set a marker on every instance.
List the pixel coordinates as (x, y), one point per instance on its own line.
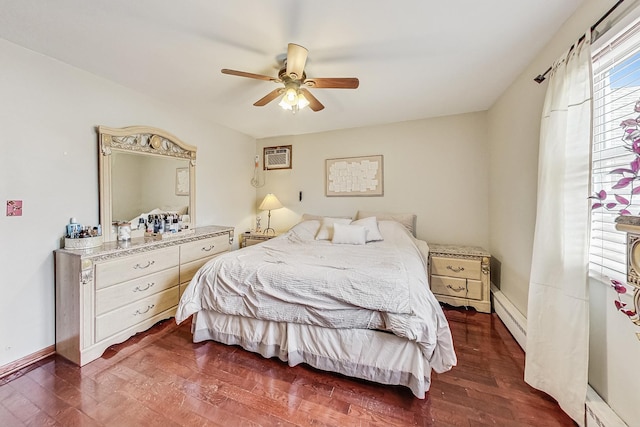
(161, 378)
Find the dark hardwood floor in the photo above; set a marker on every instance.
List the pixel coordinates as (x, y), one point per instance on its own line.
(160, 378)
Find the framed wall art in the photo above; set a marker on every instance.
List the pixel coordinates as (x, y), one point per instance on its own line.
(182, 182)
(354, 176)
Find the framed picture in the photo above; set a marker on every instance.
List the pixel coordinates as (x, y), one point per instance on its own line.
(354, 176)
(182, 181)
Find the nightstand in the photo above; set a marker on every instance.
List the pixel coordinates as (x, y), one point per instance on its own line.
(460, 275)
(252, 238)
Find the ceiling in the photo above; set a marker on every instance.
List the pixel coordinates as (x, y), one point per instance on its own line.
(414, 58)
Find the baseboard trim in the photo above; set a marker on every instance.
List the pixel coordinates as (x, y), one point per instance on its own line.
(515, 322)
(23, 362)
(599, 413)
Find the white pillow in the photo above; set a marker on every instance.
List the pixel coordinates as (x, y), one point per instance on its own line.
(406, 219)
(349, 234)
(371, 226)
(326, 230)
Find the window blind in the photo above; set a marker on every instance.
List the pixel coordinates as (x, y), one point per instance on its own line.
(616, 100)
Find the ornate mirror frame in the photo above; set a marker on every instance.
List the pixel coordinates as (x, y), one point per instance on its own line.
(631, 225)
(141, 140)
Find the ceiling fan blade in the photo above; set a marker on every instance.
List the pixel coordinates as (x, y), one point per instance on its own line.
(314, 104)
(250, 75)
(268, 97)
(333, 83)
(296, 59)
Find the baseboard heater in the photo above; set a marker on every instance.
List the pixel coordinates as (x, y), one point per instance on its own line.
(597, 412)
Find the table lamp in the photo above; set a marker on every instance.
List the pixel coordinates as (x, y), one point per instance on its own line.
(269, 203)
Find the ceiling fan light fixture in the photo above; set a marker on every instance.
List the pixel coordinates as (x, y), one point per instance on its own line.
(284, 104)
(295, 106)
(290, 94)
(302, 101)
(293, 99)
(293, 76)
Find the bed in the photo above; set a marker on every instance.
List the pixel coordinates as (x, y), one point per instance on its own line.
(341, 296)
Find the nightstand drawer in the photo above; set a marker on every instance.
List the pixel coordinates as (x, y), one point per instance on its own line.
(455, 267)
(452, 286)
(250, 239)
(449, 286)
(474, 289)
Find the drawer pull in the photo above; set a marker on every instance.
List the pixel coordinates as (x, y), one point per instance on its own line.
(149, 307)
(149, 264)
(455, 269)
(458, 289)
(208, 248)
(139, 289)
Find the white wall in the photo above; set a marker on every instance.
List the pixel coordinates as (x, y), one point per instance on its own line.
(48, 114)
(513, 129)
(436, 168)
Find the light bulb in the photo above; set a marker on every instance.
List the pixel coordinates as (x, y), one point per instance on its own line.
(291, 95)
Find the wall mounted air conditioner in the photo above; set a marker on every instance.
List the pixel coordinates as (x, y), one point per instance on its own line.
(277, 157)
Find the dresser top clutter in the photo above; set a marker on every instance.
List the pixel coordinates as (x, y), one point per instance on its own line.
(137, 245)
(127, 273)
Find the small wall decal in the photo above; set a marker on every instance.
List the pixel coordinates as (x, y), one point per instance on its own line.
(14, 207)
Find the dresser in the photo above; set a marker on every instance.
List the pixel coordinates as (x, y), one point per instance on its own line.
(460, 275)
(105, 295)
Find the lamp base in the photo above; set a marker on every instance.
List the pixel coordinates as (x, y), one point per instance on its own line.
(266, 231)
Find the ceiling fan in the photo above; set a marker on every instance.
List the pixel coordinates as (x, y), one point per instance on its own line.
(295, 95)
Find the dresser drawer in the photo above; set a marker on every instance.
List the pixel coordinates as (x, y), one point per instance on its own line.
(183, 287)
(116, 296)
(131, 267)
(188, 270)
(120, 319)
(455, 267)
(204, 248)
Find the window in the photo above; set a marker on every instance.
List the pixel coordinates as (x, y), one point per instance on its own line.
(616, 91)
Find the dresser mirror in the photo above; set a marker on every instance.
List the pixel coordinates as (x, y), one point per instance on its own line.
(142, 171)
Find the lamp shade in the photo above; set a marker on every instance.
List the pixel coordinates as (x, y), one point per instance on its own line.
(270, 202)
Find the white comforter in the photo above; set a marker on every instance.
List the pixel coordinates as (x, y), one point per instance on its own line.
(297, 279)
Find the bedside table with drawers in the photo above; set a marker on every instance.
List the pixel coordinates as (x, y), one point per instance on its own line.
(460, 275)
(252, 238)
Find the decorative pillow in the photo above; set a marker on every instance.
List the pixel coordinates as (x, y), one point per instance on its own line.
(349, 234)
(370, 224)
(307, 229)
(326, 230)
(408, 220)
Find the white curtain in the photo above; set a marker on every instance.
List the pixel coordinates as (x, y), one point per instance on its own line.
(558, 313)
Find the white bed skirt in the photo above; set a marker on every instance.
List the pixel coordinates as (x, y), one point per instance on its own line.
(360, 353)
